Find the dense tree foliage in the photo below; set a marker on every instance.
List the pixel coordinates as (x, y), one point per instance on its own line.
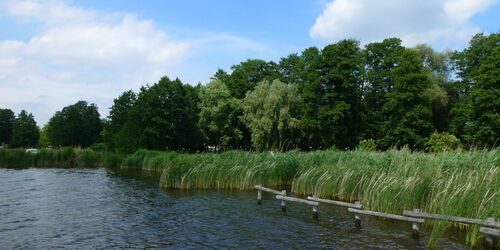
(115, 131)
(219, 116)
(163, 117)
(24, 130)
(344, 96)
(476, 117)
(77, 125)
(7, 118)
(271, 112)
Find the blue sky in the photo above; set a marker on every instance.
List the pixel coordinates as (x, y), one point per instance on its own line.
(56, 52)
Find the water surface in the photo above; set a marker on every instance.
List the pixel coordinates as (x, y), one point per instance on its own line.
(104, 208)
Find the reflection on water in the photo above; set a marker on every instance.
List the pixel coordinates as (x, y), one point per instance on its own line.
(103, 208)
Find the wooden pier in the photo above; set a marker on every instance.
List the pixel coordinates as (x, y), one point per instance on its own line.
(489, 227)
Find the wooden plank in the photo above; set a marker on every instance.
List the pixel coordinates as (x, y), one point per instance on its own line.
(333, 202)
(490, 231)
(458, 219)
(288, 198)
(259, 187)
(385, 215)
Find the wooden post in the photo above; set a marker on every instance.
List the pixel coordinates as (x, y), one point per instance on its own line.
(357, 218)
(415, 227)
(315, 212)
(490, 239)
(283, 203)
(259, 197)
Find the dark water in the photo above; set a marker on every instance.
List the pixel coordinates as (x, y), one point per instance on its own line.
(102, 208)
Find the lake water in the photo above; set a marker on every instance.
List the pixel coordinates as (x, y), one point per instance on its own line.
(104, 208)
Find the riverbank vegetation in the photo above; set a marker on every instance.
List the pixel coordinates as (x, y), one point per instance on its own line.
(63, 158)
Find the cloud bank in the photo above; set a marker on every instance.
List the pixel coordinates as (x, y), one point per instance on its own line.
(84, 54)
(445, 24)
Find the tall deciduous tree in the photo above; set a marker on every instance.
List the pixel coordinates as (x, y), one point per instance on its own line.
(24, 130)
(219, 116)
(381, 58)
(272, 113)
(340, 92)
(77, 125)
(409, 115)
(114, 131)
(7, 118)
(476, 118)
(164, 117)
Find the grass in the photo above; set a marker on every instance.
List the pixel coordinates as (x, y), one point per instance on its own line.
(453, 183)
(66, 157)
(460, 183)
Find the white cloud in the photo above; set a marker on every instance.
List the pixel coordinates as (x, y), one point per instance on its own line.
(85, 54)
(440, 23)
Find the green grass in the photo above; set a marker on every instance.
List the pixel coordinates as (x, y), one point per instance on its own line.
(453, 183)
(66, 158)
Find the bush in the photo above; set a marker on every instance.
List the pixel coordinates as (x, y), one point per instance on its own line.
(440, 142)
(367, 145)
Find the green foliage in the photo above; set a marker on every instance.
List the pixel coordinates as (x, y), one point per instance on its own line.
(271, 112)
(64, 158)
(115, 133)
(381, 58)
(367, 145)
(76, 125)
(7, 119)
(164, 116)
(440, 142)
(409, 116)
(25, 133)
(44, 141)
(219, 116)
(99, 147)
(476, 117)
(245, 76)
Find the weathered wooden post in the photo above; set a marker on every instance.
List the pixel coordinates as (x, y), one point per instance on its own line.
(315, 212)
(415, 227)
(259, 197)
(357, 218)
(490, 239)
(283, 203)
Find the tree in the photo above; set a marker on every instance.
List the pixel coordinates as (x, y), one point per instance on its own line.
(219, 116)
(245, 76)
(438, 65)
(272, 113)
(114, 132)
(476, 117)
(77, 125)
(409, 115)
(7, 118)
(44, 141)
(24, 130)
(339, 90)
(381, 58)
(164, 117)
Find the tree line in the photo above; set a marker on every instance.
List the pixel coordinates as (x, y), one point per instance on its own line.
(341, 96)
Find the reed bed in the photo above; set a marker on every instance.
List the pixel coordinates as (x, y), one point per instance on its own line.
(460, 183)
(465, 183)
(63, 158)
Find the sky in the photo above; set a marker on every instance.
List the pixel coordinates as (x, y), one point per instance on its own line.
(54, 53)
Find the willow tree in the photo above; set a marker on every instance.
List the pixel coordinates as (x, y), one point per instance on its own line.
(272, 112)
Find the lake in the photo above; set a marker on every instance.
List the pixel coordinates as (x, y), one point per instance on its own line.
(106, 208)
